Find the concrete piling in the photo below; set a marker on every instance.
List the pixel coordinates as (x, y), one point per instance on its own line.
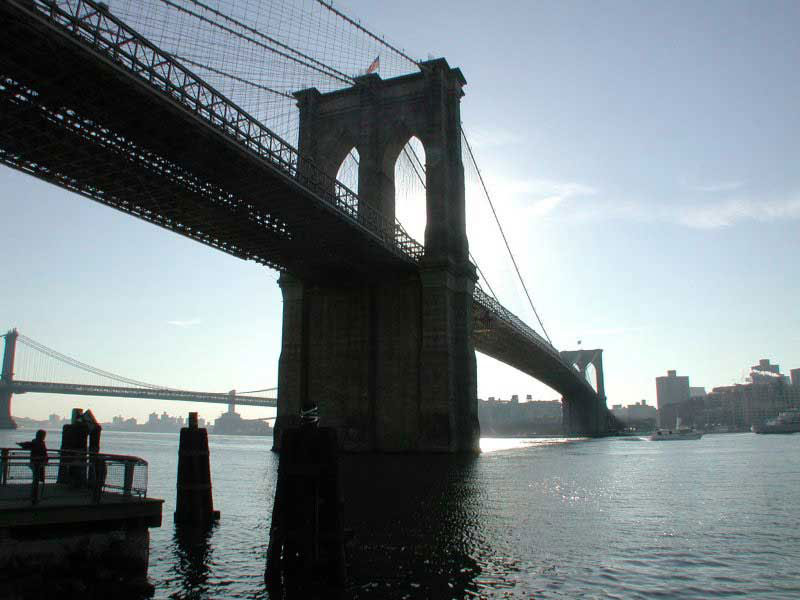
(194, 502)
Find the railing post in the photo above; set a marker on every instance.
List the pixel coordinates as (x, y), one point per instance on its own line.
(127, 485)
(4, 467)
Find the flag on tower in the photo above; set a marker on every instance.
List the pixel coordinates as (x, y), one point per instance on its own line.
(376, 64)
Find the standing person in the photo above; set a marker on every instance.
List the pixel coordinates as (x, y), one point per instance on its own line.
(38, 461)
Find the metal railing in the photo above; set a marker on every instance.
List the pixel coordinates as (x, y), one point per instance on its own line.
(502, 313)
(93, 24)
(73, 475)
(498, 311)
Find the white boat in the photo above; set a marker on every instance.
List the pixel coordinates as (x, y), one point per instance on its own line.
(785, 422)
(679, 433)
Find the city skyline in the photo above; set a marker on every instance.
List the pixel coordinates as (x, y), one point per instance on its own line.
(641, 160)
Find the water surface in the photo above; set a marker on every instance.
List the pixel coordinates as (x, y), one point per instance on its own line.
(546, 518)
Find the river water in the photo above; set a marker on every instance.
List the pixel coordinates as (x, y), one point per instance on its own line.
(555, 518)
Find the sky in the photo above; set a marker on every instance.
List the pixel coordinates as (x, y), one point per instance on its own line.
(642, 157)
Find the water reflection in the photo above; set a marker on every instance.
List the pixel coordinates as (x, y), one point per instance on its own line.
(193, 553)
(496, 444)
(415, 525)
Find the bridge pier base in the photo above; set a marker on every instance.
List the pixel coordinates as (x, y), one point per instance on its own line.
(390, 364)
(584, 416)
(7, 377)
(6, 420)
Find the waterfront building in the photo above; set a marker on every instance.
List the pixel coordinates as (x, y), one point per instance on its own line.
(795, 377)
(232, 423)
(640, 416)
(670, 390)
(512, 417)
(697, 392)
(738, 407)
(765, 372)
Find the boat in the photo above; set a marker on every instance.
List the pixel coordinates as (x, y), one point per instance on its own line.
(679, 433)
(785, 422)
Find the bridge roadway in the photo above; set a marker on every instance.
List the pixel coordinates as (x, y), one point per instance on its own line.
(21, 387)
(91, 106)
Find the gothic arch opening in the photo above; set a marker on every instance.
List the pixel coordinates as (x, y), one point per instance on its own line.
(591, 376)
(348, 170)
(409, 184)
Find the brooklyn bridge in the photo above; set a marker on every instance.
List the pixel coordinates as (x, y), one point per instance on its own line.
(379, 330)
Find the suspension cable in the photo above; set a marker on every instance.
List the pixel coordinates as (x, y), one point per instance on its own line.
(422, 181)
(502, 233)
(330, 72)
(83, 366)
(234, 77)
(329, 6)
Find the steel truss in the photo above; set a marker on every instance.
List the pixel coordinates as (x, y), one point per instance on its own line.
(21, 387)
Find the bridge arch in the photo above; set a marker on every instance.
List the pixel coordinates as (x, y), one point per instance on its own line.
(348, 170)
(379, 117)
(409, 173)
(590, 374)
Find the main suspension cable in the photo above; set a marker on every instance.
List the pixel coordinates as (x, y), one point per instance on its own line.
(325, 70)
(502, 233)
(422, 181)
(329, 6)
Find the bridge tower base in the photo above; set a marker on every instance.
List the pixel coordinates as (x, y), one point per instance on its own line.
(378, 362)
(584, 416)
(6, 420)
(6, 379)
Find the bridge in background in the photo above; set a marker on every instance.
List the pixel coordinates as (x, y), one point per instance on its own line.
(10, 385)
(379, 331)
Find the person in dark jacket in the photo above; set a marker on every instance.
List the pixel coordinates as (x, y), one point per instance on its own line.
(38, 460)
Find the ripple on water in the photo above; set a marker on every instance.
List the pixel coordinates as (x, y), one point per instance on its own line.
(552, 518)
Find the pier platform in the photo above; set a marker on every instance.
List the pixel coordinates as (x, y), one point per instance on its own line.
(87, 532)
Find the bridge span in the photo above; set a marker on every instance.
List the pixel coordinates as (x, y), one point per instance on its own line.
(379, 331)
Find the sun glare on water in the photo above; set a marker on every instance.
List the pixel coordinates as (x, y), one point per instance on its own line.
(489, 444)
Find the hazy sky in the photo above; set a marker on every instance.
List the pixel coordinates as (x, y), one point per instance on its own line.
(643, 157)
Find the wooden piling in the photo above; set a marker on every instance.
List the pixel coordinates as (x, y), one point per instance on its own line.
(306, 546)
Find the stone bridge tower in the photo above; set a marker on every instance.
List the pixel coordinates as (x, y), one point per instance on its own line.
(390, 360)
(578, 418)
(6, 379)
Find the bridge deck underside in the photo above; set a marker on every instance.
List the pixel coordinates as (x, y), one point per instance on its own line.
(501, 342)
(72, 117)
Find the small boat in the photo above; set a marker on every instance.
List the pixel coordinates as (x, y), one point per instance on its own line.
(785, 422)
(679, 433)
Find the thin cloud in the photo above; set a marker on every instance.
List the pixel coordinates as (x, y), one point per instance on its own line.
(187, 323)
(609, 331)
(539, 197)
(483, 139)
(716, 215)
(717, 186)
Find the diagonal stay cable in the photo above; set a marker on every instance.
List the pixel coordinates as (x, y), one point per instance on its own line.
(267, 37)
(234, 77)
(380, 40)
(327, 71)
(502, 233)
(422, 181)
